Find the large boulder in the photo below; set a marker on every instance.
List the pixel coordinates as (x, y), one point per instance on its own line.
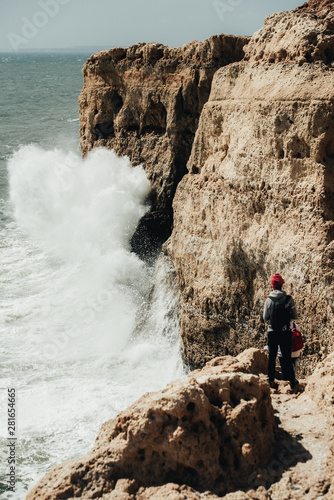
(210, 431)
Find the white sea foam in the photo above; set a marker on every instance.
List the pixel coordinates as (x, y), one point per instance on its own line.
(77, 208)
(82, 213)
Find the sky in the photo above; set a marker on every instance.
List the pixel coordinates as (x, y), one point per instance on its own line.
(47, 24)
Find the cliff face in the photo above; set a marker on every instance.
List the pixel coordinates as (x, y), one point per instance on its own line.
(145, 102)
(259, 196)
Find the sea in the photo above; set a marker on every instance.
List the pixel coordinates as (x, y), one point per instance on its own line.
(86, 326)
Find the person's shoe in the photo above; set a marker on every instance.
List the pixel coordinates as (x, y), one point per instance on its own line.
(294, 383)
(273, 384)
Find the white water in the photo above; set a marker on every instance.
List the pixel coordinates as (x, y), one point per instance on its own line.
(80, 341)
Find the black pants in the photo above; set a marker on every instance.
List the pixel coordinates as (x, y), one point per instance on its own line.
(281, 361)
(284, 340)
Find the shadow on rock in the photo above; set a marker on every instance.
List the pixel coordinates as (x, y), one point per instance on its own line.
(289, 451)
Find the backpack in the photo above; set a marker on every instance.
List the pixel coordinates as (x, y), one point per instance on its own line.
(297, 339)
(280, 314)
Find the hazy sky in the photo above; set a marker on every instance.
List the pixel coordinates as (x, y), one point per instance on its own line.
(28, 24)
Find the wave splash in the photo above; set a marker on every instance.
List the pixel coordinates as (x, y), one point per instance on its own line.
(81, 214)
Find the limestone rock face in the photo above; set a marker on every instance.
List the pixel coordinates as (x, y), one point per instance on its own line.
(210, 430)
(302, 35)
(145, 102)
(259, 196)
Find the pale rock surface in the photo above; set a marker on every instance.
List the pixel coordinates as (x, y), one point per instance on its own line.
(299, 470)
(210, 430)
(169, 491)
(302, 35)
(302, 466)
(259, 196)
(145, 102)
(320, 388)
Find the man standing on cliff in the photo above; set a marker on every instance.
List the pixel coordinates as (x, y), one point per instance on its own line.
(279, 309)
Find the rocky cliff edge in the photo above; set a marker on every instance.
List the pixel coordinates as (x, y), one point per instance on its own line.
(258, 198)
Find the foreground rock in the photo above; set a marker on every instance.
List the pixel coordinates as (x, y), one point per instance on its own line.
(210, 431)
(145, 102)
(320, 388)
(259, 197)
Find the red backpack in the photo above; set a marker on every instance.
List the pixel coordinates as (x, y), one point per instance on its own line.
(297, 339)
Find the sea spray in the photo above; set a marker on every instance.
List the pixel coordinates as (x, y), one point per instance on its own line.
(82, 214)
(86, 326)
(77, 209)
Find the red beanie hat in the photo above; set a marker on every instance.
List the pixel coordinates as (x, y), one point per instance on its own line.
(277, 281)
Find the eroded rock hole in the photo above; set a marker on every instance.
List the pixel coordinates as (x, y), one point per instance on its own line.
(329, 54)
(308, 56)
(105, 129)
(133, 128)
(234, 400)
(216, 401)
(191, 406)
(117, 104)
(182, 475)
(154, 119)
